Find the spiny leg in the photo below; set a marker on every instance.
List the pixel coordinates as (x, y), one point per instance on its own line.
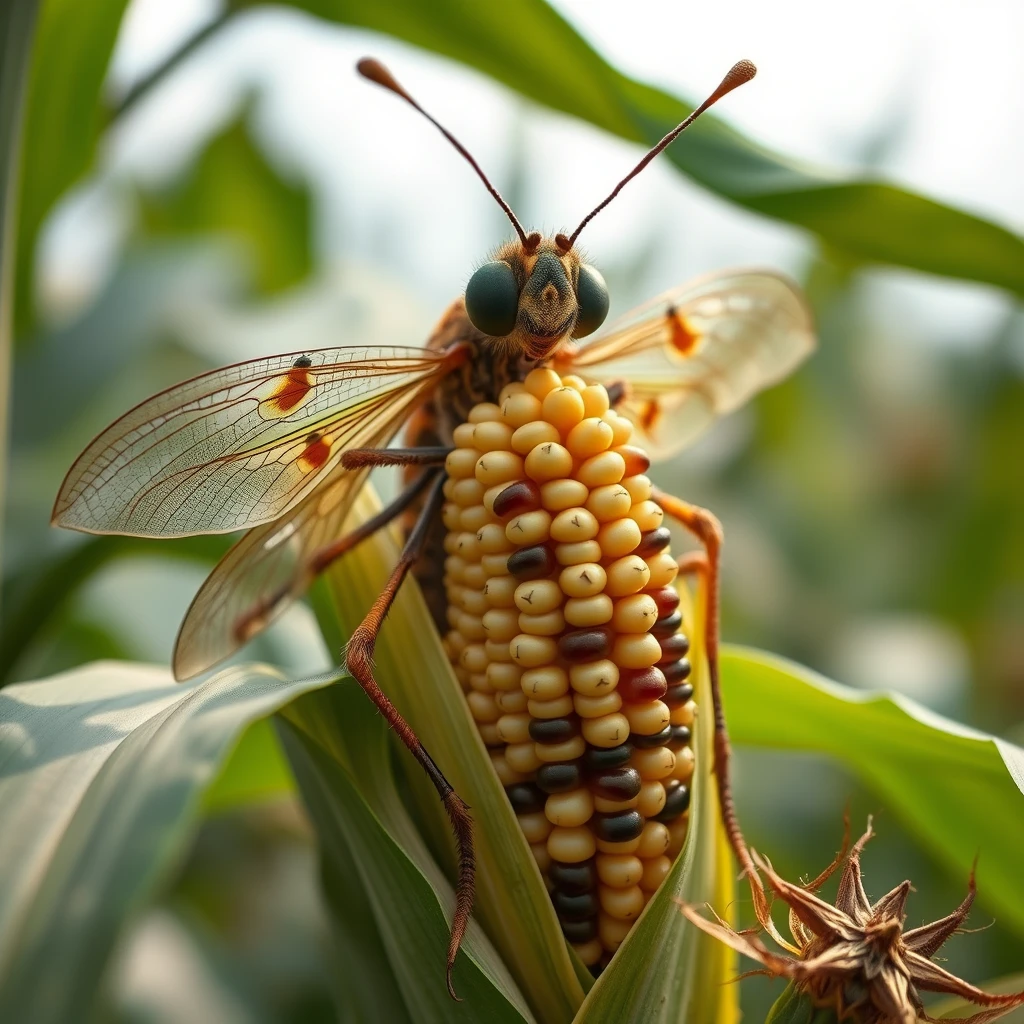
(361, 458)
(359, 658)
(704, 525)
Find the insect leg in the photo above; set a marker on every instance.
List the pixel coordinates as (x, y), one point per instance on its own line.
(704, 525)
(360, 458)
(359, 658)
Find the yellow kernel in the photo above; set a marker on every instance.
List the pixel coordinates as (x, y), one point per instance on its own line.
(647, 514)
(502, 624)
(492, 539)
(478, 681)
(571, 845)
(490, 494)
(646, 719)
(655, 872)
(533, 651)
(618, 538)
(627, 575)
(653, 763)
(538, 596)
(498, 467)
(677, 831)
(473, 575)
(571, 380)
(548, 461)
(514, 387)
(618, 848)
(556, 495)
(635, 614)
(595, 678)
(544, 684)
(613, 806)
(461, 463)
(595, 400)
(683, 770)
(569, 809)
(489, 734)
(499, 591)
(473, 518)
(450, 514)
(589, 437)
(583, 580)
(612, 932)
(633, 650)
(522, 757)
(514, 728)
(548, 624)
(588, 611)
(619, 871)
(456, 641)
(610, 502)
(542, 380)
(503, 675)
(541, 856)
(663, 569)
(532, 435)
(495, 565)
(451, 543)
(520, 408)
(601, 470)
(595, 707)
(653, 840)
(462, 435)
(473, 658)
(568, 750)
(684, 715)
(557, 707)
(507, 776)
(623, 904)
(573, 525)
(529, 528)
(482, 412)
(622, 429)
(510, 702)
(482, 707)
(473, 601)
(651, 800)
(468, 492)
(498, 651)
(563, 408)
(470, 627)
(589, 952)
(577, 552)
(607, 731)
(639, 487)
(492, 436)
(536, 827)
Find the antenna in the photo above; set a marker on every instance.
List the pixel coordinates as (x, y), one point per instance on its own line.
(741, 72)
(377, 73)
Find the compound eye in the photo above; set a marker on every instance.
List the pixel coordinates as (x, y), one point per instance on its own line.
(492, 299)
(592, 295)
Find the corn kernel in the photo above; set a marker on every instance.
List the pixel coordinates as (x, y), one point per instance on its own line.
(612, 931)
(514, 728)
(532, 435)
(522, 758)
(595, 401)
(653, 840)
(563, 408)
(461, 463)
(596, 707)
(570, 809)
(536, 826)
(588, 611)
(610, 502)
(520, 409)
(509, 702)
(619, 871)
(556, 707)
(542, 380)
(646, 719)
(558, 495)
(594, 678)
(623, 904)
(502, 624)
(544, 684)
(484, 411)
(589, 437)
(585, 579)
(503, 675)
(651, 801)
(530, 528)
(492, 436)
(627, 575)
(463, 436)
(548, 624)
(606, 731)
(571, 845)
(603, 469)
(574, 525)
(482, 707)
(577, 552)
(497, 467)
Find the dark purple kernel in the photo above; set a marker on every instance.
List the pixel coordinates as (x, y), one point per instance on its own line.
(559, 778)
(658, 739)
(641, 685)
(667, 600)
(531, 563)
(620, 827)
(514, 500)
(681, 737)
(577, 907)
(573, 878)
(581, 645)
(677, 800)
(553, 730)
(667, 626)
(653, 541)
(677, 671)
(602, 759)
(525, 798)
(579, 931)
(673, 648)
(617, 784)
(676, 696)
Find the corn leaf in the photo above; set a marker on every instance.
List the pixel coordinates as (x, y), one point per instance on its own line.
(960, 791)
(793, 1008)
(667, 971)
(102, 777)
(512, 903)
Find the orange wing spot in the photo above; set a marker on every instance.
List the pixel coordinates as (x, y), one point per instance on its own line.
(682, 337)
(316, 453)
(292, 390)
(650, 414)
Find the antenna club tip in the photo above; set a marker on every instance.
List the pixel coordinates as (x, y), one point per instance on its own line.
(371, 68)
(742, 71)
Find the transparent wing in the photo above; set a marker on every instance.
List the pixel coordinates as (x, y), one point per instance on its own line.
(271, 565)
(700, 351)
(239, 446)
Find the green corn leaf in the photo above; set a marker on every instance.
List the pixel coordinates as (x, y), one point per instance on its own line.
(667, 971)
(102, 776)
(793, 1008)
(960, 791)
(512, 904)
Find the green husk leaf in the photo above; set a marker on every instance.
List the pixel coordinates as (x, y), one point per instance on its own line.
(512, 904)
(667, 970)
(960, 791)
(793, 1007)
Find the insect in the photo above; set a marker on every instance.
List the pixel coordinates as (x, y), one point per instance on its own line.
(281, 446)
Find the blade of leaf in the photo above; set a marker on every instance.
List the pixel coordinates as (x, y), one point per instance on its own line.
(102, 774)
(959, 790)
(512, 903)
(336, 738)
(794, 1008)
(953, 1008)
(666, 970)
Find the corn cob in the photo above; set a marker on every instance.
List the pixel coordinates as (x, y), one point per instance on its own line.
(565, 636)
